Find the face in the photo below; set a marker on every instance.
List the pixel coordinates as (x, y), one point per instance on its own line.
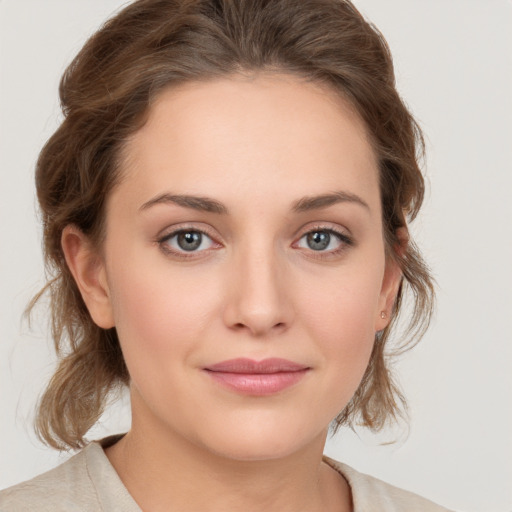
(243, 265)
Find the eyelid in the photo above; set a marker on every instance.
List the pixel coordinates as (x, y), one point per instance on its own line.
(187, 226)
(171, 231)
(324, 226)
(344, 236)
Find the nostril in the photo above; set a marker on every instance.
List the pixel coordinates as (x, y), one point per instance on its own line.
(258, 329)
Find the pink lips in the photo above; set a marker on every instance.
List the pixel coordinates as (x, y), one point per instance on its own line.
(257, 377)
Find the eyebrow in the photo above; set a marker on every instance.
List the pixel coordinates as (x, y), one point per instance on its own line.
(325, 200)
(207, 204)
(204, 204)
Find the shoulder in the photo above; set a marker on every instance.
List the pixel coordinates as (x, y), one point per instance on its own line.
(67, 487)
(87, 482)
(370, 494)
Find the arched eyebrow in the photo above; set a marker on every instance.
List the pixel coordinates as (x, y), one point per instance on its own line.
(207, 204)
(204, 204)
(325, 200)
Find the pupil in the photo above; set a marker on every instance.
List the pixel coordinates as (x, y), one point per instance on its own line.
(318, 240)
(189, 240)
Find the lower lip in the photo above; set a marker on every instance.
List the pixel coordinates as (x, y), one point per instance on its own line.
(258, 384)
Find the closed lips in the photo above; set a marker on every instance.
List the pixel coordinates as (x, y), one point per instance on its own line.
(249, 366)
(257, 378)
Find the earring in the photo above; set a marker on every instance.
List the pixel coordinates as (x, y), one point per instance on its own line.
(383, 314)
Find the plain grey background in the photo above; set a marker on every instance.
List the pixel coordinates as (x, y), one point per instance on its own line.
(454, 68)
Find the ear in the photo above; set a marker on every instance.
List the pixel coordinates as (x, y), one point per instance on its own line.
(391, 281)
(88, 270)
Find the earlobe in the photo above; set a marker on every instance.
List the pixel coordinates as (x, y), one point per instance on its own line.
(391, 282)
(390, 286)
(89, 273)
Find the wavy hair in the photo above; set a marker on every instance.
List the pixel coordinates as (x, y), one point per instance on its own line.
(105, 94)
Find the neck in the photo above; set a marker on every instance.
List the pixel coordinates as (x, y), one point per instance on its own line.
(163, 471)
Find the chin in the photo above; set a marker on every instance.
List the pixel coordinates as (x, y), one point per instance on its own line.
(255, 441)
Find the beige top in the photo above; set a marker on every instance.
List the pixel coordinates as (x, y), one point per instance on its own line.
(87, 482)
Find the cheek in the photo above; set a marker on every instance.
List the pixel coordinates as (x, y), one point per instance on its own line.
(344, 304)
(161, 325)
(340, 316)
(156, 309)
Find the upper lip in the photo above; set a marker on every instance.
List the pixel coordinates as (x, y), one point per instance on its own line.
(247, 366)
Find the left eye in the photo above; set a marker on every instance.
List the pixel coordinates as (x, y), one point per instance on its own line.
(188, 241)
(321, 240)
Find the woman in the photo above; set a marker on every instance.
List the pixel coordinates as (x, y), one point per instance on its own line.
(225, 209)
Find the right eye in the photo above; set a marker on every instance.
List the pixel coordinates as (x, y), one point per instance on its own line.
(186, 241)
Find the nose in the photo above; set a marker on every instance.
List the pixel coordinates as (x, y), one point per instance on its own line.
(258, 296)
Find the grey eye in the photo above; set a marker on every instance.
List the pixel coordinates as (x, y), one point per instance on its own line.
(323, 240)
(189, 240)
(318, 240)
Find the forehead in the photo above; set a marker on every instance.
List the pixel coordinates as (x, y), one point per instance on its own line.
(257, 134)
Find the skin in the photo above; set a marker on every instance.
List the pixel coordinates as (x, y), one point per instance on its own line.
(258, 146)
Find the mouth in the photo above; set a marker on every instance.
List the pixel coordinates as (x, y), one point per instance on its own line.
(257, 378)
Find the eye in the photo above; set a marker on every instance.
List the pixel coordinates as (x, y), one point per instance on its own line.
(324, 240)
(187, 241)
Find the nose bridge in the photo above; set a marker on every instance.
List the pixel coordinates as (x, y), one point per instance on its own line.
(258, 299)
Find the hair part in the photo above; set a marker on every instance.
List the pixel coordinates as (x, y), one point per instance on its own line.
(106, 93)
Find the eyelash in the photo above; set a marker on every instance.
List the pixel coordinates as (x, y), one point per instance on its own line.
(344, 239)
(164, 240)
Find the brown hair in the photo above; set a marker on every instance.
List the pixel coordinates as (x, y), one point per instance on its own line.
(105, 94)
